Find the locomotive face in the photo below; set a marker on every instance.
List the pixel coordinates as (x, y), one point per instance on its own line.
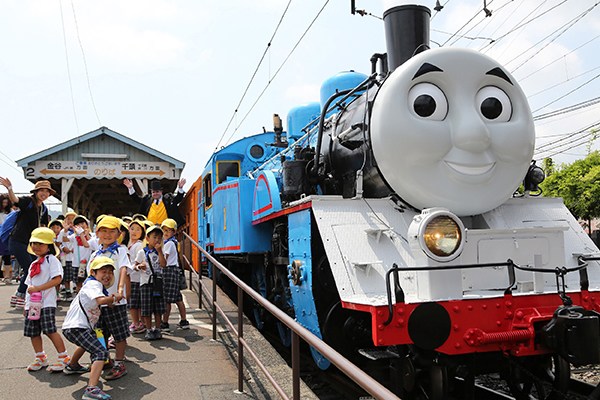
(451, 128)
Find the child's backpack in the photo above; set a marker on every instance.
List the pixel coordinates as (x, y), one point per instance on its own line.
(5, 229)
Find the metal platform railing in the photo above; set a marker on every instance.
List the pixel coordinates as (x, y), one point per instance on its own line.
(370, 385)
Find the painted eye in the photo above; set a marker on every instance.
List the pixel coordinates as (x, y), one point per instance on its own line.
(428, 101)
(494, 104)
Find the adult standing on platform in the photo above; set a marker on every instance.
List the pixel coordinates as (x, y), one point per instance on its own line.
(33, 214)
(155, 206)
(5, 209)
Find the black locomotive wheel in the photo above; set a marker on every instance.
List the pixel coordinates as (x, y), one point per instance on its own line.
(523, 383)
(431, 384)
(558, 371)
(438, 382)
(347, 331)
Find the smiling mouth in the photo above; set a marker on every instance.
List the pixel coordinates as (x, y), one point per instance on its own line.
(470, 169)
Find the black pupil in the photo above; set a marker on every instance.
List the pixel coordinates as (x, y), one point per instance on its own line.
(256, 151)
(424, 105)
(491, 108)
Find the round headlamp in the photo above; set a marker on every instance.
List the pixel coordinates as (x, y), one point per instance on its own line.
(441, 235)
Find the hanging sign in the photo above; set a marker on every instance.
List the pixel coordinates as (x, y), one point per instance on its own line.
(101, 169)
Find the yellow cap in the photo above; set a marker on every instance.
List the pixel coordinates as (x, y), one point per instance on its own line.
(140, 217)
(154, 228)
(42, 235)
(139, 223)
(169, 223)
(70, 213)
(148, 223)
(99, 218)
(127, 218)
(103, 261)
(55, 222)
(109, 222)
(79, 219)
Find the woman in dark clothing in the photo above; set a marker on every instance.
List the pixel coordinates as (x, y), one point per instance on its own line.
(33, 214)
(5, 209)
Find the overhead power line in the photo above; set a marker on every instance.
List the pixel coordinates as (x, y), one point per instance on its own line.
(568, 93)
(521, 25)
(562, 29)
(278, 70)
(87, 75)
(254, 74)
(569, 141)
(62, 20)
(574, 107)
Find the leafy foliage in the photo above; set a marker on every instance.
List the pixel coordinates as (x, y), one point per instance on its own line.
(578, 184)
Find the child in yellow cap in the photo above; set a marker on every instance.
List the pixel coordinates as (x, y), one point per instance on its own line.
(114, 319)
(150, 261)
(66, 244)
(81, 319)
(44, 275)
(172, 275)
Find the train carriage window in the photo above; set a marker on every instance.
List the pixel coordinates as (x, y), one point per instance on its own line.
(207, 189)
(227, 169)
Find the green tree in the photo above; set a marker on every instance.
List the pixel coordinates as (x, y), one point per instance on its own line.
(579, 186)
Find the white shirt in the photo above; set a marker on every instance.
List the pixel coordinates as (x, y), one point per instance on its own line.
(94, 245)
(170, 250)
(49, 269)
(82, 254)
(69, 244)
(88, 294)
(121, 261)
(134, 275)
(145, 275)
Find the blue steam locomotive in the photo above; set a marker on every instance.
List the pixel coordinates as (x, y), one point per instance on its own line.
(385, 221)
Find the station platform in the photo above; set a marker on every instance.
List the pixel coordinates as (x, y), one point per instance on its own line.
(185, 364)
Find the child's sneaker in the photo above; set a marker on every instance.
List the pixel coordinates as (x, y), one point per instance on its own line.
(184, 324)
(94, 393)
(164, 327)
(13, 300)
(140, 328)
(75, 369)
(116, 372)
(59, 365)
(38, 363)
(156, 333)
(20, 303)
(132, 327)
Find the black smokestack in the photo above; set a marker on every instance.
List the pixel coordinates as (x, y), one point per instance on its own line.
(406, 32)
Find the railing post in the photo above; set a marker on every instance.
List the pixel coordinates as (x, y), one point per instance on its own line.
(199, 285)
(295, 366)
(240, 314)
(214, 306)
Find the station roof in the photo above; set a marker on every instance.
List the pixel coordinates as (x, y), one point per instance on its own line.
(87, 171)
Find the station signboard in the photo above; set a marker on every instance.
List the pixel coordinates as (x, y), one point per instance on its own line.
(101, 169)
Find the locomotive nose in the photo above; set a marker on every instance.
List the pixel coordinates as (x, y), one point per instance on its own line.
(470, 133)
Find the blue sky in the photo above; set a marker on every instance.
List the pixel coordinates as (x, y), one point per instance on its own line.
(171, 73)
